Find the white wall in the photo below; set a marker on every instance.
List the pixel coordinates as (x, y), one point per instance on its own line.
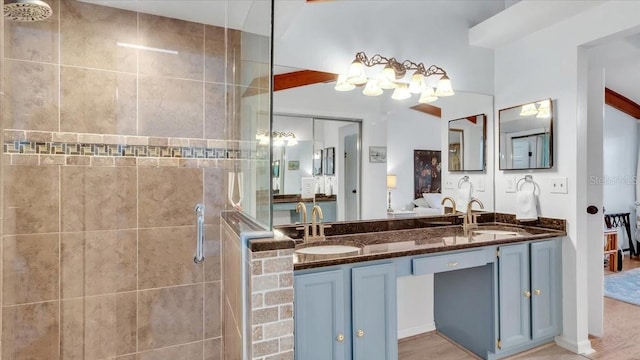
(544, 65)
(620, 162)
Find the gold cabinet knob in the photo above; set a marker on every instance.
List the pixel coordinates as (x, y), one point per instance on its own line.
(527, 294)
(537, 291)
(340, 338)
(359, 333)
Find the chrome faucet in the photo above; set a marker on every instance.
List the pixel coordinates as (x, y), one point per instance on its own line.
(301, 207)
(453, 204)
(470, 220)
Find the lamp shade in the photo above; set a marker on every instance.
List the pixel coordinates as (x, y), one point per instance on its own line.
(342, 84)
(372, 88)
(416, 86)
(444, 87)
(427, 96)
(401, 92)
(356, 73)
(392, 181)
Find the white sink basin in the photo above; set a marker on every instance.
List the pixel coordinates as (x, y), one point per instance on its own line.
(328, 250)
(322, 252)
(495, 232)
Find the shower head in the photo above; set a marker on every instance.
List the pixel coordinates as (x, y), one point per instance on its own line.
(26, 10)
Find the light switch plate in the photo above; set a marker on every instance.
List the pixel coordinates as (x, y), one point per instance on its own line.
(511, 184)
(559, 185)
(448, 184)
(478, 184)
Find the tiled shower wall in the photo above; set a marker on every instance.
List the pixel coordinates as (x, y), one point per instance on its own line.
(107, 150)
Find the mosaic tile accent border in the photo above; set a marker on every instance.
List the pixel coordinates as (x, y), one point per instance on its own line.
(50, 148)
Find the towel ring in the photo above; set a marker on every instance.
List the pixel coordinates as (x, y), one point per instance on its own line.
(528, 179)
(463, 180)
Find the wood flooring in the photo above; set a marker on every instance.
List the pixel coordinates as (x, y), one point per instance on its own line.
(620, 342)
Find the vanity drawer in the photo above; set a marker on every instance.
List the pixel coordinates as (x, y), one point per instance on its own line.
(448, 262)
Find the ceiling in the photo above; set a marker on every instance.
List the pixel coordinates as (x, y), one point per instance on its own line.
(620, 56)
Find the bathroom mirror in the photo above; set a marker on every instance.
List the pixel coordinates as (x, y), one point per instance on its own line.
(330, 156)
(526, 136)
(317, 162)
(466, 148)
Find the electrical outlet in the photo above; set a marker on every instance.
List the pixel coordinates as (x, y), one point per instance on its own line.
(511, 184)
(448, 184)
(559, 185)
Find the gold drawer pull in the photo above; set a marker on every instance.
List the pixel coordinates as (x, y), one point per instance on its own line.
(527, 294)
(537, 291)
(340, 338)
(452, 264)
(359, 333)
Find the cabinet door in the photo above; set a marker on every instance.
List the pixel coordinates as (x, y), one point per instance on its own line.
(545, 274)
(320, 304)
(514, 295)
(374, 313)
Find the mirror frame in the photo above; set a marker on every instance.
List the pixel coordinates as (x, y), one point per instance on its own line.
(483, 166)
(551, 137)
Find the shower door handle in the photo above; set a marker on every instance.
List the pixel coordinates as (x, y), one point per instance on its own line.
(199, 257)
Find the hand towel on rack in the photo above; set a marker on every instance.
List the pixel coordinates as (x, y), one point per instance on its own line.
(463, 196)
(526, 205)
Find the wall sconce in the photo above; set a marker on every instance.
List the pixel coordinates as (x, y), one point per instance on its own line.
(392, 182)
(392, 76)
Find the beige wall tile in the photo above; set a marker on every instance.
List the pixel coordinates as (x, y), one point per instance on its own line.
(213, 349)
(30, 331)
(165, 257)
(89, 36)
(187, 351)
(215, 116)
(31, 96)
(98, 327)
(185, 38)
(30, 199)
(98, 262)
(168, 196)
(215, 53)
(30, 268)
(212, 315)
(212, 251)
(98, 198)
(232, 339)
(94, 101)
(170, 107)
(33, 41)
(215, 187)
(169, 316)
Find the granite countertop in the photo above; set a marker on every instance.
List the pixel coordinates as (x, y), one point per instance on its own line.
(417, 241)
(277, 199)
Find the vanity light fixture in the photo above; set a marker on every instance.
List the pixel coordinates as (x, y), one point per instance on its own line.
(392, 76)
(280, 138)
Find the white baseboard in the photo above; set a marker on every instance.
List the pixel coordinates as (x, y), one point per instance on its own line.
(582, 347)
(417, 330)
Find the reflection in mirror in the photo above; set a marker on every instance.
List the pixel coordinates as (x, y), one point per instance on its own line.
(317, 162)
(526, 136)
(329, 160)
(467, 137)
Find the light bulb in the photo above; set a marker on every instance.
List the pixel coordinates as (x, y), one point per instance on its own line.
(401, 92)
(444, 87)
(427, 96)
(342, 84)
(356, 73)
(372, 88)
(416, 86)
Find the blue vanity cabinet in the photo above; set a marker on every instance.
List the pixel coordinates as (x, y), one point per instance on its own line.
(373, 309)
(320, 322)
(529, 277)
(348, 313)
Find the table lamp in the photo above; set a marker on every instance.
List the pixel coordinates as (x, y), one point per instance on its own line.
(391, 184)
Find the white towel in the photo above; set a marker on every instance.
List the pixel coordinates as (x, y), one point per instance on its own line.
(526, 205)
(463, 197)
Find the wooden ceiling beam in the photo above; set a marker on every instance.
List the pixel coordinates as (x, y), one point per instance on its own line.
(301, 78)
(621, 103)
(428, 109)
